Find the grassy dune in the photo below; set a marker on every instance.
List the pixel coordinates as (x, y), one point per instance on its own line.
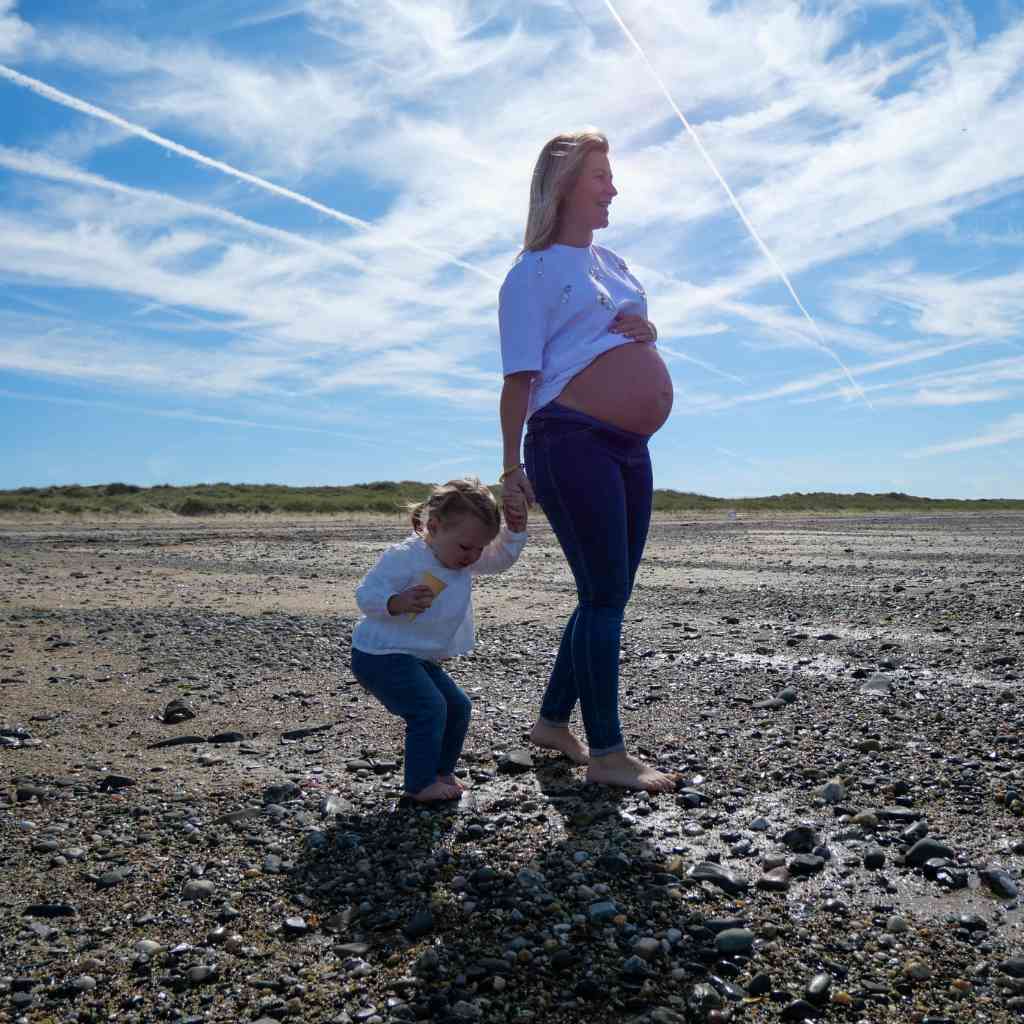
(392, 496)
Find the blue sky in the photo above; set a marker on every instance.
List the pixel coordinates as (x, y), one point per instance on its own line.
(292, 278)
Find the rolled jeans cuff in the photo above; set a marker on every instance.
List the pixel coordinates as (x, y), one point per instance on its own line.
(618, 748)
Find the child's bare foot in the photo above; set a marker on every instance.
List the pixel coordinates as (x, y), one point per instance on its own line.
(436, 791)
(620, 769)
(558, 737)
(453, 780)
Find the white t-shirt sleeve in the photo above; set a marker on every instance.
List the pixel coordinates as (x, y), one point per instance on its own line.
(500, 553)
(391, 575)
(522, 318)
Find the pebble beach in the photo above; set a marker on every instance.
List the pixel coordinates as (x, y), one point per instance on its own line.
(201, 816)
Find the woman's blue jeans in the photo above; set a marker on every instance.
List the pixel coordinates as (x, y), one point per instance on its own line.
(595, 485)
(435, 709)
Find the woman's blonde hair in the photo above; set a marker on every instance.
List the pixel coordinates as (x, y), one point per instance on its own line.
(557, 170)
(455, 499)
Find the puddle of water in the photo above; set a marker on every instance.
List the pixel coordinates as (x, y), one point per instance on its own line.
(915, 896)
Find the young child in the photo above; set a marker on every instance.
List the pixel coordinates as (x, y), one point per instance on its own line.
(417, 610)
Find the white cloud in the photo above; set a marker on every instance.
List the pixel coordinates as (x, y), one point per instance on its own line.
(15, 34)
(837, 149)
(1005, 432)
(947, 304)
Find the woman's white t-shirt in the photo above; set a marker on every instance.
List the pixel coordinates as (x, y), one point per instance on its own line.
(554, 310)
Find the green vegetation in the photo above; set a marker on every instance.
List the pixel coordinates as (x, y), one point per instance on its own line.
(827, 501)
(120, 499)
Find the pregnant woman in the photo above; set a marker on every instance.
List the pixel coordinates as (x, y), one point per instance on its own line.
(583, 375)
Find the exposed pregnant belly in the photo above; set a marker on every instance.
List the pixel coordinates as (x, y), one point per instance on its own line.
(629, 386)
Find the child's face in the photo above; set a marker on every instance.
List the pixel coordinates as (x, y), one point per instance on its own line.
(458, 544)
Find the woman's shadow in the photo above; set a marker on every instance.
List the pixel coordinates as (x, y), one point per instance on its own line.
(534, 883)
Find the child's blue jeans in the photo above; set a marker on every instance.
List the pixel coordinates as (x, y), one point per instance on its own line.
(595, 485)
(435, 709)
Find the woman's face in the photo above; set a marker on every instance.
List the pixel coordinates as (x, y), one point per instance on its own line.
(585, 207)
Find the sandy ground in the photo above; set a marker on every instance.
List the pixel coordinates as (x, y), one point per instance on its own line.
(247, 619)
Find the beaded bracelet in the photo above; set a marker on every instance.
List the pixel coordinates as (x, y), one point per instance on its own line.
(506, 473)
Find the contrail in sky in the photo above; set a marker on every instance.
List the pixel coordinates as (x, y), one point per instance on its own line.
(50, 93)
(732, 198)
(52, 169)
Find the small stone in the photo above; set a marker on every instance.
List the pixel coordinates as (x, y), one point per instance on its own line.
(798, 1009)
(833, 792)
(800, 839)
(734, 941)
(916, 970)
(281, 793)
(703, 999)
(177, 710)
(776, 880)
(198, 889)
(112, 783)
(49, 910)
(226, 737)
(1014, 967)
(420, 924)
(515, 762)
(874, 858)
(707, 871)
(806, 864)
(927, 849)
(760, 985)
(202, 974)
(561, 959)
(602, 911)
(971, 922)
(865, 819)
(818, 988)
(999, 882)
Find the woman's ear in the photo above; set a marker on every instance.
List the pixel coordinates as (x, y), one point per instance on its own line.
(432, 525)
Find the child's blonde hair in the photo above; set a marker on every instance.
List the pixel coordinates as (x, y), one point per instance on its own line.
(457, 498)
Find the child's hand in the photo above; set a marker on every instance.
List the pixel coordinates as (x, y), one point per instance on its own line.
(515, 515)
(416, 599)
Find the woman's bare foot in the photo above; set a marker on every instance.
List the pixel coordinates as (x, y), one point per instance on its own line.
(453, 780)
(558, 737)
(434, 792)
(620, 769)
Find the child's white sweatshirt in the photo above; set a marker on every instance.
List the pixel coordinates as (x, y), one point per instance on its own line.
(445, 629)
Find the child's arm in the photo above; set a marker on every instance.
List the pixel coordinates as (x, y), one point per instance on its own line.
(500, 553)
(391, 578)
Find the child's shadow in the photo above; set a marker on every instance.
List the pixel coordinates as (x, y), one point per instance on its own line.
(370, 877)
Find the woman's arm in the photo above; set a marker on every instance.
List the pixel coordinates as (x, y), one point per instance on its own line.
(515, 396)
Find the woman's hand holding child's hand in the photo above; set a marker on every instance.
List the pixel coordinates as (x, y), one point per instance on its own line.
(416, 599)
(515, 514)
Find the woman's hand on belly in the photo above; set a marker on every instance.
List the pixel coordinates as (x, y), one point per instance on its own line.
(634, 327)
